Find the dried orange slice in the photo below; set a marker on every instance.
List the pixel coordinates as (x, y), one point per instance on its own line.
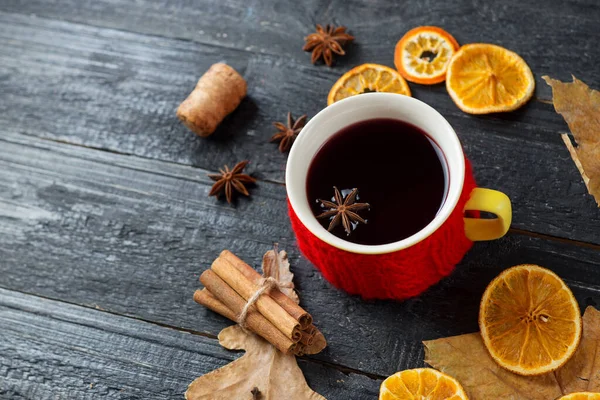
(581, 396)
(485, 78)
(423, 54)
(421, 383)
(368, 78)
(529, 320)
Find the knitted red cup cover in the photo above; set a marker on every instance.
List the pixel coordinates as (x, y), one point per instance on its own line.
(398, 275)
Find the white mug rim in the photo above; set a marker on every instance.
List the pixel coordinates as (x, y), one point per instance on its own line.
(452, 148)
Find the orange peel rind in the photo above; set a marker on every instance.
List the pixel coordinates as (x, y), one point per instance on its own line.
(422, 55)
(529, 320)
(485, 78)
(581, 396)
(368, 78)
(421, 383)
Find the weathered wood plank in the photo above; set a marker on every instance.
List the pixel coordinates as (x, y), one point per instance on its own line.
(118, 91)
(53, 350)
(112, 90)
(128, 73)
(132, 235)
(554, 37)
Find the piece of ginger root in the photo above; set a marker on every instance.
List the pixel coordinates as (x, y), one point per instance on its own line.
(218, 92)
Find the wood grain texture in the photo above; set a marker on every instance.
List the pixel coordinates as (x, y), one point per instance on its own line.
(53, 350)
(553, 36)
(131, 232)
(118, 91)
(132, 235)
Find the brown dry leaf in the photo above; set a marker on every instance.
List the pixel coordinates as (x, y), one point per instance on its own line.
(276, 375)
(465, 358)
(580, 107)
(279, 268)
(276, 265)
(582, 372)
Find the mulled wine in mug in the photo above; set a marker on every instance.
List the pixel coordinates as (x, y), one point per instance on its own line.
(378, 186)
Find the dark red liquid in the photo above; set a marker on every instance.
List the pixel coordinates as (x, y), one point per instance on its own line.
(396, 170)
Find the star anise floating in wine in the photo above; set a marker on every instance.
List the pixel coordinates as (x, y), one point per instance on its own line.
(325, 42)
(287, 134)
(231, 181)
(344, 210)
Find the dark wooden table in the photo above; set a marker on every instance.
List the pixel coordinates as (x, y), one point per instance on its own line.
(105, 223)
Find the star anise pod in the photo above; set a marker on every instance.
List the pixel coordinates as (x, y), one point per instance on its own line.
(343, 210)
(287, 134)
(325, 42)
(229, 181)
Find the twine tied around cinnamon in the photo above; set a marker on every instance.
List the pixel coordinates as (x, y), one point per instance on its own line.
(265, 285)
(232, 286)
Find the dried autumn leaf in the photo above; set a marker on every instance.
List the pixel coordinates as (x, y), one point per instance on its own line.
(465, 358)
(277, 376)
(279, 268)
(582, 372)
(580, 107)
(276, 265)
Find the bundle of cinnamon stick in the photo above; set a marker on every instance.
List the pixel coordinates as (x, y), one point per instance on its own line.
(230, 282)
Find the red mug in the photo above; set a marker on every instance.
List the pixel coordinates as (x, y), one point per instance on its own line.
(407, 267)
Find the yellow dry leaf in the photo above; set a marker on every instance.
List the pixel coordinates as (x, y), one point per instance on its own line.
(276, 375)
(466, 359)
(582, 372)
(580, 107)
(276, 265)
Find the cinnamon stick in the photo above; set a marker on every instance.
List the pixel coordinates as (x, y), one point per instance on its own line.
(205, 298)
(307, 338)
(265, 304)
(300, 350)
(255, 321)
(311, 330)
(297, 312)
(319, 343)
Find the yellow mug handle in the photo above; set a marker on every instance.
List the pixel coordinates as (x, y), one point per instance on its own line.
(491, 201)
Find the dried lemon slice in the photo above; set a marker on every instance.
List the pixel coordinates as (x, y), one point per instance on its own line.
(368, 78)
(529, 320)
(423, 54)
(485, 78)
(421, 383)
